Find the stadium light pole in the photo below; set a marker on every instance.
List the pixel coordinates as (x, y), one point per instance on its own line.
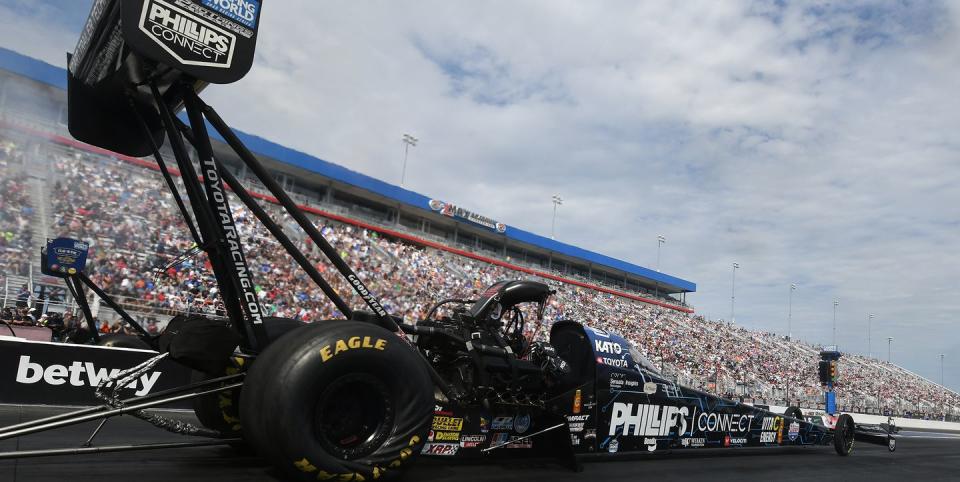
(660, 241)
(941, 369)
(835, 304)
(557, 201)
(793, 288)
(889, 342)
(733, 292)
(869, 325)
(408, 142)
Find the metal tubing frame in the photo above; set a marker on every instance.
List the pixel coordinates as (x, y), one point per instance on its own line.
(112, 412)
(384, 318)
(231, 246)
(193, 101)
(275, 230)
(214, 241)
(114, 448)
(76, 289)
(163, 393)
(113, 304)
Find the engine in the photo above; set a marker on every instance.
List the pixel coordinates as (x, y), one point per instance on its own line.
(485, 350)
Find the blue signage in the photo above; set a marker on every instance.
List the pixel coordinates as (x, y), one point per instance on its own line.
(66, 256)
(243, 11)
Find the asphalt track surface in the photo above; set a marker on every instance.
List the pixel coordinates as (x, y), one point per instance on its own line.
(919, 456)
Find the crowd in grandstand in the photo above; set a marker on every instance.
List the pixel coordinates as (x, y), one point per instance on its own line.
(15, 211)
(137, 238)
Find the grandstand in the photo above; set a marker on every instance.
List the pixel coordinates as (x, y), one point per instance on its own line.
(412, 256)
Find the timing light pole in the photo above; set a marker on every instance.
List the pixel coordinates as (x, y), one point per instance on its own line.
(408, 142)
(733, 292)
(793, 288)
(835, 304)
(869, 325)
(557, 201)
(889, 342)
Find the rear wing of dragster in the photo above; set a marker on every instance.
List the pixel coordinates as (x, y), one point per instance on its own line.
(127, 44)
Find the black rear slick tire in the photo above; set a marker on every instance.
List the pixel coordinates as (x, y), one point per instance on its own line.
(345, 401)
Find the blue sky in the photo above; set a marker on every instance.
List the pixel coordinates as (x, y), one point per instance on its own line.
(811, 142)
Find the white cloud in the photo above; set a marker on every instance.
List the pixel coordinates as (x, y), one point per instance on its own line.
(813, 143)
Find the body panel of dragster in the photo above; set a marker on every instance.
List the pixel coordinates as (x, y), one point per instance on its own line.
(614, 405)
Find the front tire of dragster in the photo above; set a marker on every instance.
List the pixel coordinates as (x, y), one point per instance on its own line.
(843, 434)
(346, 400)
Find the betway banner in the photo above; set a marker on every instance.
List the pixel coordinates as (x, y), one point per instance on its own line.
(62, 374)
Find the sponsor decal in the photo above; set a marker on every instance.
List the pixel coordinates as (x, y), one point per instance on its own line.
(768, 437)
(614, 362)
(66, 255)
(484, 424)
(453, 211)
(438, 410)
(614, 446)
(726, 440)
(521, 423)
(243, 11)
(502, 423)
(215, 18)
(440, 449)
(447, 424)
(609, 347)
(499, 438)
(693, 442)
(366, 295)
(470, 441)
(649, 388)
(443, 436)
(78, 374)
(353, 343)
(191, 40)
(737, 440)
(642, 420)
(576, 422)
(214, 189)
(794, 431)
(771, 423)
(723, 422)
(618, 381)
(651, 444)
(577, 402)
(574, 440)
(519, 443)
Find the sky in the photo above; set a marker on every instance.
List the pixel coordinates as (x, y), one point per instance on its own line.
(812, 143)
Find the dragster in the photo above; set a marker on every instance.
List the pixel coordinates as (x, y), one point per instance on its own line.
(362, 397)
